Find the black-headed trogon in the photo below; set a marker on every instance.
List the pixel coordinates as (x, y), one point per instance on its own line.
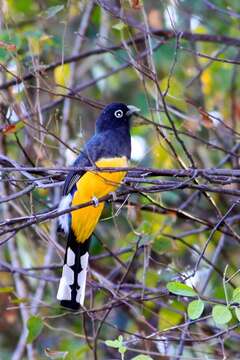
(109, 147)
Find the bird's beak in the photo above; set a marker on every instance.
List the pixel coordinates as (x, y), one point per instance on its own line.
(132, 110)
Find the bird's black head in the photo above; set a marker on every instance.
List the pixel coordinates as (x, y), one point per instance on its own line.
(114, 116)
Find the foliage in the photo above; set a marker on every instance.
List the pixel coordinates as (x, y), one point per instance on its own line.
(195, 309)
(164, 272)
(35, 326)
(178, 288)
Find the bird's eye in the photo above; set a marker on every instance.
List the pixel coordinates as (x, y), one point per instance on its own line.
(118, 114)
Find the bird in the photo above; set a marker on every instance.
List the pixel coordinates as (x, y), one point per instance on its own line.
(110, 146)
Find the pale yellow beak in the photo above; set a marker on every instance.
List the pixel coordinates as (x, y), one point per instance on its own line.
(132, 110)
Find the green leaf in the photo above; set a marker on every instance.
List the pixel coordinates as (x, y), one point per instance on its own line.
(113, 343)
(162, 244)
(195, 309)
(178, 288)
(117, 344)
(120, 339)
(221, 314)
(53, 10)
(142, 357)
(23, 6)
(236, 296)
(35, 326)
(8, 289)
(20, 301)
(237, 313)
(122, 349)
(119, 26)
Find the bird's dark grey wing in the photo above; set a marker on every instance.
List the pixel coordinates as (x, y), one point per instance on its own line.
(97, 147)
(87, 158)
(73, 176)
(90, 153)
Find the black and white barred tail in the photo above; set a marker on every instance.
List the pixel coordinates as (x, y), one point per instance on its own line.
(71, 291)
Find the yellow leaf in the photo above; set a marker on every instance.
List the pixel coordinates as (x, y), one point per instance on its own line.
(206, 81)
(45, 38)
(62, 74)
(34, 45)
(200, 29)
(170, 317)
(43, 191)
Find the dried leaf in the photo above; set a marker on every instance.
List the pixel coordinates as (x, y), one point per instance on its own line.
(54, 354)
(154, 18)
(2, 45)
(9, 129)
(206, 119)
(136, 4)
(237, 110)
(9, 47)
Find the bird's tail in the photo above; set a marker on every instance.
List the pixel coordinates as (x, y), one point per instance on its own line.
(71, 291)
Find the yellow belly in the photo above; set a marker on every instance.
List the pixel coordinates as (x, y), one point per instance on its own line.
(94, 184)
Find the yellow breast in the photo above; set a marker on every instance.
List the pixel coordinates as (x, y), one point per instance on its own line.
(94, 184)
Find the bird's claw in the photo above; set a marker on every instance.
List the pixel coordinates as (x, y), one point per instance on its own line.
(95, 201)
(114, 195)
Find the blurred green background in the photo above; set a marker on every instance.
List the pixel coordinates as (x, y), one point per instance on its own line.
(44, 122)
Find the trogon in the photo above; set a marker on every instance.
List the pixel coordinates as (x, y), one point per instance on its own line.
(110, 146)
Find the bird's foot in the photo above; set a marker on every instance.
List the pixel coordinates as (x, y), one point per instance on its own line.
(114, 195)
(95, 201)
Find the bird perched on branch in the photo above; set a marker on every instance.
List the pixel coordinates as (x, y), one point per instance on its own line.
(109, 147)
